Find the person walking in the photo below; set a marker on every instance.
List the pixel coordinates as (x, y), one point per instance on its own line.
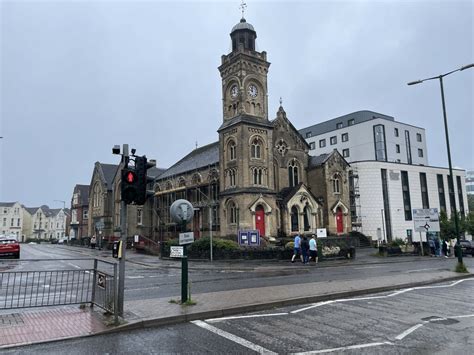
(445, 248)
(297, 249)
(313, 249)
(93, 242)
(305, 249)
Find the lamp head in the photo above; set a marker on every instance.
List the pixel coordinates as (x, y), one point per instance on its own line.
(415, 82)
(116, 149)
(467, 66)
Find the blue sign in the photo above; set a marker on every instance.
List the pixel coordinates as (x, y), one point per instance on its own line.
(249, 238)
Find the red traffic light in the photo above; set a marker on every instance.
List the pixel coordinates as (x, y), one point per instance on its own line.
(130, 177)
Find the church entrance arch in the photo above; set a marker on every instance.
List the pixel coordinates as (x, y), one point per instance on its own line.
(339, 221)
(260, 220)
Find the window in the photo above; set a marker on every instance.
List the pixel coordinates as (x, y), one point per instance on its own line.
(232, 151)
(85, 214)
(257, 176)
(293, 173)
(333, 140)
(306, 218)
(336, 184)
(345, 153)
(139, 216)
(256, 148)
(379, 142)
(18, 222)
(420, 153)
(232, 176)
(75, 199)
(322, 143)
(4, 222)
(12, 222)
(406, 196)
(196, 179)
(418, 137)
(424, 191)
(232, 212)
(181, 182)
(407, 143)
(386, 205)
(460, 197)
(339, 125)
(345, 137)
(397, 148)
(312, 145)
(350, 122)
(442, 198)
(396, 132)
(308, 134)
(294, 219)
(97, 193)
(452, 198)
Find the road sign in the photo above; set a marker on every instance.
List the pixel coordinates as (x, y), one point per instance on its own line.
(181, 211)
(101, 280)
(186, 238)
(176, 252)
(426, 220)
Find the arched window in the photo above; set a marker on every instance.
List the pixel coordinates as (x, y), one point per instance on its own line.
(232, 212)
(232, 177)
(294, 219)
(336, 184)
(257, 174)
(181, 182)
(306, 218)
(196, 179)
(169, 185)
(293, 173)
(157, 188)
(232, 148)
(256, 148)
(97, 192)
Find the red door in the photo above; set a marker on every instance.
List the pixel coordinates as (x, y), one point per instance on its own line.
(339, 221)
(260, 220)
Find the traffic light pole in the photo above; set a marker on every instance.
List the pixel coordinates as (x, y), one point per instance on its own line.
(123, 240)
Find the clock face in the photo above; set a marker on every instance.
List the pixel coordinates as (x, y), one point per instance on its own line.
(252, 91)
(234, 91)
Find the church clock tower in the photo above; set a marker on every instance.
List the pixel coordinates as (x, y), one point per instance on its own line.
(247, 185)
(244, 75)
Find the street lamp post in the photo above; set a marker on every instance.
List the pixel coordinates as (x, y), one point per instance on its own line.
(451, 177)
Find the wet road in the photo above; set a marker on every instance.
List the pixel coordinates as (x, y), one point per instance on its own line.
(423, 320)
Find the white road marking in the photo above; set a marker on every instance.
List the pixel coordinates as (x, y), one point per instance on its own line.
(234, 338)
(312, 306)
(134, 277)
(408, 331)
(464, 316)
(418, 270)
(142, 288)
(350, 347)
(214, 320)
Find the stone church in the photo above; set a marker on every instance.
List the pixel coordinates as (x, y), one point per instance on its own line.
(259, 175)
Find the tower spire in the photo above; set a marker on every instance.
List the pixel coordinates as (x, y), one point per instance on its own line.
(242, 7)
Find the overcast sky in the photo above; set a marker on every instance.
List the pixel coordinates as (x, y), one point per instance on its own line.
(78, 77)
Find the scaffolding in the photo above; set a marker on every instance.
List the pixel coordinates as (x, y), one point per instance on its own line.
(354, 199)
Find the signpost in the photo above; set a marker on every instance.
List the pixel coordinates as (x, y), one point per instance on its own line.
(426, 220)
(176, 252)
(181, 211)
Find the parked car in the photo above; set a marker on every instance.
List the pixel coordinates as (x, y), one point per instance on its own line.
(466, 248)
(9, 247)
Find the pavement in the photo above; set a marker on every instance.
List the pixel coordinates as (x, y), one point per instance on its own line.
(49, 324)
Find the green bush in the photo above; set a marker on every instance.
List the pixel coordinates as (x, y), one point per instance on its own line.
(397, 242)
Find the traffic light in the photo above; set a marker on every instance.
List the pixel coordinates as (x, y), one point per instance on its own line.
(141, 167)
(129, 185)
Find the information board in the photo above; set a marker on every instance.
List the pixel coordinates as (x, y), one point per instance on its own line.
(426, 220)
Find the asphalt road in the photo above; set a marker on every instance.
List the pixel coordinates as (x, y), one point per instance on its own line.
(151, 278)
(436, 319)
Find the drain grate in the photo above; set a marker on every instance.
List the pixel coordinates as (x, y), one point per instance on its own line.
(8, 320)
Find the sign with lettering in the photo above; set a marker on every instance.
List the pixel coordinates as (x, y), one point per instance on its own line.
(186, 238)
(176, 252)
(426, 220)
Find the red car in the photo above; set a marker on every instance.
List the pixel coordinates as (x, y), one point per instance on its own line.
(10, 246)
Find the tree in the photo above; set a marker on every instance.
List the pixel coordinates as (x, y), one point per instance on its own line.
(470, 202)
(448, 227)
(468, 223)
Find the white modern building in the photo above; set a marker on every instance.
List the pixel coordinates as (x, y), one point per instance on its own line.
(368, 135)
(389, 174)
(470, 182)
(385, 194)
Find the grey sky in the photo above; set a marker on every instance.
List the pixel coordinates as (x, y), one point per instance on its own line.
(78, 77)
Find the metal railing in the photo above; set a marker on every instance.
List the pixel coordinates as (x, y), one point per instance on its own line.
(96, 285)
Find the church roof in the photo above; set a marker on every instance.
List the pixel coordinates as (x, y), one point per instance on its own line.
(245, 119)
(318, 160)
(243, 25)
(109, 171)
(198, 158)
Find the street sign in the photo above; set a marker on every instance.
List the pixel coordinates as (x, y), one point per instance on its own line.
(186, 238)
(321, 233)
(426, 220)
(101, 280)
(176, 252)
(181, 211)
(99, 225)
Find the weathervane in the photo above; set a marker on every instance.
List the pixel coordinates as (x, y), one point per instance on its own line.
(242, 7)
